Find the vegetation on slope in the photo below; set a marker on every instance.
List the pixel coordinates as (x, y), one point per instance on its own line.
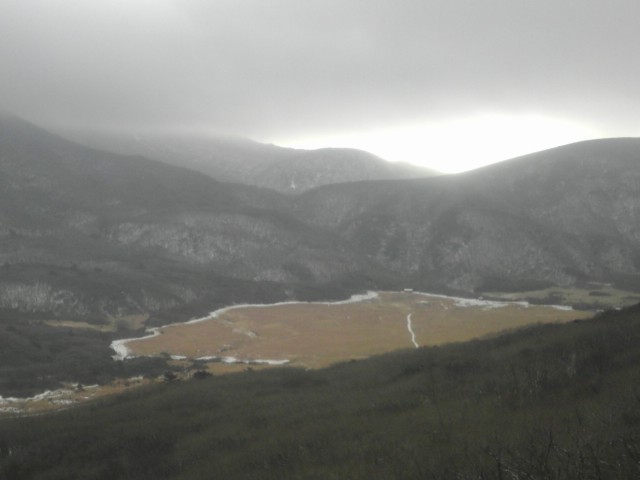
(35, 357)
(87, 235)
(553, 401)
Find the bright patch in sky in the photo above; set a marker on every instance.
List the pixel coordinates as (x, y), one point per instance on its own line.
(458, 145)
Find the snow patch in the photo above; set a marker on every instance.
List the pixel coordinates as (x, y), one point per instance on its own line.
(561, 307)
(247, 361)
(207, 358)
(120, 347)
(463, 302)
(475, 302)
(51, 395)
(490, 304)
(11, 410)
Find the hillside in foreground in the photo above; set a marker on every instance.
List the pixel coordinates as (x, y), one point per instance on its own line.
(553, 402)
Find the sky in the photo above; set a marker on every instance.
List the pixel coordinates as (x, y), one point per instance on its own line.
(448, 84)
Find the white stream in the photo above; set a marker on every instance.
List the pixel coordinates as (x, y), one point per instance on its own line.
(409, 327)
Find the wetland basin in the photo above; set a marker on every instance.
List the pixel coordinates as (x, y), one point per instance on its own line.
(318, 334)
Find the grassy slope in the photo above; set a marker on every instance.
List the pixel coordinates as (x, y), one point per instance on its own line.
(556, 401)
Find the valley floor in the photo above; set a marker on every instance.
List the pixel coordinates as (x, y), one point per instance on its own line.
(315, 335)
(555, 402)
(305, 334)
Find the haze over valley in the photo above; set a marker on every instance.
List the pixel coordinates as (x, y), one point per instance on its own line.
(319, 240)
(98, 247)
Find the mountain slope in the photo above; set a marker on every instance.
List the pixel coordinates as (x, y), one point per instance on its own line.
(238, 160)
(558, 217)
(86, 232)
(89, 232)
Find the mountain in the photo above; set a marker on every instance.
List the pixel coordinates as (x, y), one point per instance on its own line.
(244, 161)
(565, 216)
(87, 233)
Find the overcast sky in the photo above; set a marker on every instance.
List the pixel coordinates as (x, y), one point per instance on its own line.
(439, 82)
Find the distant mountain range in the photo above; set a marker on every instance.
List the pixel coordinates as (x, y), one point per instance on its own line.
(87, 233)
(239, 160)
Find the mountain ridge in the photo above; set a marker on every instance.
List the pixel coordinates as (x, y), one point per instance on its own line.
(86, 232)
(558, 222)
(89, 233)
(239, 160)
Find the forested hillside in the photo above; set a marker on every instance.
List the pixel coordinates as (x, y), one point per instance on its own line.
(562, 217)
(89, 235)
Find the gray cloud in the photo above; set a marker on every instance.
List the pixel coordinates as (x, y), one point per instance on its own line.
(284, 67)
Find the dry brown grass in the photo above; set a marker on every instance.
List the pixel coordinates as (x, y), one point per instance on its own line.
(317, 335)
(313, 335)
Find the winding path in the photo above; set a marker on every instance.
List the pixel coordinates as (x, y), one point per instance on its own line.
(409, 327)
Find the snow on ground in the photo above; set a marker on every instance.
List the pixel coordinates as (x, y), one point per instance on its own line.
(561, 307)
(120, 347)
(234, 360)
(490, 304)
(15, 406)
(10, 410)
(46, 395)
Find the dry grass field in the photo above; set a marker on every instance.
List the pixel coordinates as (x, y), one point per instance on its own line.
(315, 335)
(309, 335)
